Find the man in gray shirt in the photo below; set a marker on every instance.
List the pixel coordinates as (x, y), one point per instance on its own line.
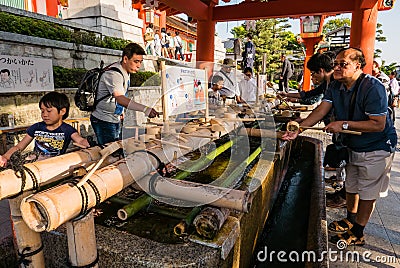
(114, 83)
(230, 89)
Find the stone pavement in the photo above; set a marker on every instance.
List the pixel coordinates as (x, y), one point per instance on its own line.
(382, 232)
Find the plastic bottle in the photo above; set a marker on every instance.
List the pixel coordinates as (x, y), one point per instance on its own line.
(11, 122)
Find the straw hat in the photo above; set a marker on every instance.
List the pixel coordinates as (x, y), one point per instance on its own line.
(229, 62)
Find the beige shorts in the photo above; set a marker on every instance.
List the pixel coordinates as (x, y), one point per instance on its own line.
(368, 174)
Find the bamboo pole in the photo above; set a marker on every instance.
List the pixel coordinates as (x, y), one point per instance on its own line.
(205, 160)
(164, 95)
(183, 225)
(51, 169)
(256, 132)
(27, 240)
(134, 207)
(166, 211)
(47, 210)
(230, 181)
(194, 193)
(294, 126)
(104, 154)
(81, 238)
(130, 209)
(210, 220)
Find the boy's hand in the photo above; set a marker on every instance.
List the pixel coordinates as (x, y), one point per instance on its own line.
(3, 161)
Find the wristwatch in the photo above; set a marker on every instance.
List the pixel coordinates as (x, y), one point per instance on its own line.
(345, 125)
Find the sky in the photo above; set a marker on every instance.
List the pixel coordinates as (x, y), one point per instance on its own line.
(389, 19)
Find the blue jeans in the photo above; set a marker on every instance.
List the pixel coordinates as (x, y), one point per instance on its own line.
(105, 131)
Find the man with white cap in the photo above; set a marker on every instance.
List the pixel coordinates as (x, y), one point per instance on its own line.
(376, 65)
(227, 72)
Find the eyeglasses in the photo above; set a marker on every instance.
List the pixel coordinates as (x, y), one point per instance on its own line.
(248, 75)
(342, 64)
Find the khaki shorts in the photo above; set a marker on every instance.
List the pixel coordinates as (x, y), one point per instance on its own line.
(368, 174)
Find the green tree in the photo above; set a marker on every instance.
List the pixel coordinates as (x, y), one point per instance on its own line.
(334, 24)
(271, 37)
(387, 69)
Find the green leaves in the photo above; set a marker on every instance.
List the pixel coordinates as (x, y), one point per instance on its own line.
(33, 27)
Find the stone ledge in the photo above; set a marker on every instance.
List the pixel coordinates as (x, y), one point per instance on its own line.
(20, 12)
(33, 40)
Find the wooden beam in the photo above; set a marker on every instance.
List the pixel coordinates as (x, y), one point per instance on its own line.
(282, 8)
(367, 4)
(193, 8)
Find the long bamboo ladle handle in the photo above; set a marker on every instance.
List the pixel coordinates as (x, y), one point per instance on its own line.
(342, 131)
(104, 153)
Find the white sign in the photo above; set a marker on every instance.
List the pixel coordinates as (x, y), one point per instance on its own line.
(185, 90)
(22, 74)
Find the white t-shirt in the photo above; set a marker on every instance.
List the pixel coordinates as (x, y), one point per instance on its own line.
(394, 86)
(248, 90)
(178, 41)
(214, 98)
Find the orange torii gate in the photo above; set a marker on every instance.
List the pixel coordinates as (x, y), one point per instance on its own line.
(207, 13)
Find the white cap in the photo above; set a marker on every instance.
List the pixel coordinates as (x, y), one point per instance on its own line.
(378, 61)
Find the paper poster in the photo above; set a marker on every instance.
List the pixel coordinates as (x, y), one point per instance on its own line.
(23, 74)
(185, 90)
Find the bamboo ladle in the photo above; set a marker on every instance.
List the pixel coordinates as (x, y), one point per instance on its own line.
(293, 126)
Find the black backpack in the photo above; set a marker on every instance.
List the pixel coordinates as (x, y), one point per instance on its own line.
(85, 96)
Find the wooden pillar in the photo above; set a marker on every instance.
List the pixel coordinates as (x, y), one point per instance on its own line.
(141, 15)
(205, 43)
(28, 241)
(363, 31)
(82, 242)
(310, 43)
(34, 6)
(52, 8)
(163, 20)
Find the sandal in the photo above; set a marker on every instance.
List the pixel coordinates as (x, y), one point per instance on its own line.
(331, 179)
(349, 238)
(341, 226)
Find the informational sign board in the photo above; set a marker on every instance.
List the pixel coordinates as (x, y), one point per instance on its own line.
(185, 89)
(23, 74)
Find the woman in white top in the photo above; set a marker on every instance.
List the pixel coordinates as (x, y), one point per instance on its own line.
(248, 87)
(157, 43)
(164, 43)
(171, 46)
(149, 39)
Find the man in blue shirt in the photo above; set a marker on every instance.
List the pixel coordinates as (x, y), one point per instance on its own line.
(370, 154)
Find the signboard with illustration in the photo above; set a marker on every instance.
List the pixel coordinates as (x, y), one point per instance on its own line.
(23, 74)
(185, 89)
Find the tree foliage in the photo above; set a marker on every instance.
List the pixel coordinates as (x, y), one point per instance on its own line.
(334, 24)
(387, 69)
(272, 38)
